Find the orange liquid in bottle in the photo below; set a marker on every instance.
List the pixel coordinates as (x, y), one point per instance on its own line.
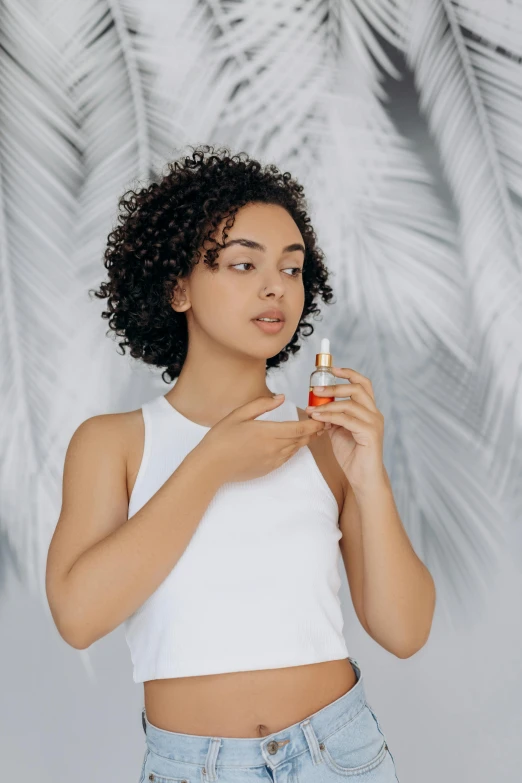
(313, 399)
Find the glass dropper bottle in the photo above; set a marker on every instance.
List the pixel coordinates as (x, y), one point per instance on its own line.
(321, 376)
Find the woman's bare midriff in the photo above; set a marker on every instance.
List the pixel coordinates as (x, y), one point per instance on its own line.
(252, 703)
(246, 704)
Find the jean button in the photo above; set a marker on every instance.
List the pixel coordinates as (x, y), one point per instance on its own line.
(272, 747)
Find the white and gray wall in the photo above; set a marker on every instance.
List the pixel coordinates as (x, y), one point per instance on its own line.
(402, 122)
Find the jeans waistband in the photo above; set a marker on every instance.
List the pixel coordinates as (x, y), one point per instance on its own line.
(274, 749)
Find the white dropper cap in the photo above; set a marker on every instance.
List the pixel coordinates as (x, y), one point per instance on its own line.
(325, 345)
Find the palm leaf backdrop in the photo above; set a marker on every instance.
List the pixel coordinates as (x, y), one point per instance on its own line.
(96, 96)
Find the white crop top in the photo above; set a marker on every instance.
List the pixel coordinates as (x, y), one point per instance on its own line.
(257, 586)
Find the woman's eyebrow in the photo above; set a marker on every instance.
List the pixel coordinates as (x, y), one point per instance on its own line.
(257, 246)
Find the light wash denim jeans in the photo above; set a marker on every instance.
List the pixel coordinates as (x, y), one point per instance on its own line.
(342, 740)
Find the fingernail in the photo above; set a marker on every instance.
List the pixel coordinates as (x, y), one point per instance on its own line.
(279, 395)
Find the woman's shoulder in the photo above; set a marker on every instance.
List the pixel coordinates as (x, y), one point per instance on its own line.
(132, 427)
(118, 426)
(121, 434)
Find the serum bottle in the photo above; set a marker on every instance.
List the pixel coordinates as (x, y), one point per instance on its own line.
(321, 376)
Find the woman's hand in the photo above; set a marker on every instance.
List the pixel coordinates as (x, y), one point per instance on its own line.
(357, 427)
(244, 448)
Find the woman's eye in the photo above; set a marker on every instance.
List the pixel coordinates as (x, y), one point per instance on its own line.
(296, 270)
(243, 263)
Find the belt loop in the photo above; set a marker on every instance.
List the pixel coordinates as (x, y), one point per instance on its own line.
(313, 743)
(209, 770)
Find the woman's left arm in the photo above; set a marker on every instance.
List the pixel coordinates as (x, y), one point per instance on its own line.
(398, 591)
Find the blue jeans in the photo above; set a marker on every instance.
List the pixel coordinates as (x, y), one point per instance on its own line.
(342, 740)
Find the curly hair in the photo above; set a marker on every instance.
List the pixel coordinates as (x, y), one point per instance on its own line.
(159, 238)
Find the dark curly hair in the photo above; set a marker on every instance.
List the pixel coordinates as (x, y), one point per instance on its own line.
(159, 239)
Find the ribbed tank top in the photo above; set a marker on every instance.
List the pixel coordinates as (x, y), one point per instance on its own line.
(257, 587)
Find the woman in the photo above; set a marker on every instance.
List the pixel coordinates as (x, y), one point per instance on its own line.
(209, 521)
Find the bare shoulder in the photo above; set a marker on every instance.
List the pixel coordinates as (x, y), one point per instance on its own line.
(94, 491)
(115, 429)
(117, 438)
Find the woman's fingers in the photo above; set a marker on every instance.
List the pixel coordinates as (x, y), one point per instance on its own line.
(352, 376)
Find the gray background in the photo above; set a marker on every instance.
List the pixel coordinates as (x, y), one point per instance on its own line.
(451, 397)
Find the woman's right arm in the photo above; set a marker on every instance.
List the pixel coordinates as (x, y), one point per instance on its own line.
(100, 566)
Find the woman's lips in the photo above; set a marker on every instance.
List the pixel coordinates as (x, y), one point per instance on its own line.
(270, 327)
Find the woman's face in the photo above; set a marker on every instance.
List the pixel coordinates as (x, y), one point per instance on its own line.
(225, 302)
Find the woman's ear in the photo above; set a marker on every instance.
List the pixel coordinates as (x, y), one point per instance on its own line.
(180, 301)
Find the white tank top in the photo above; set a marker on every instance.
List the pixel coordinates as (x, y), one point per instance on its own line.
(257, 587)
